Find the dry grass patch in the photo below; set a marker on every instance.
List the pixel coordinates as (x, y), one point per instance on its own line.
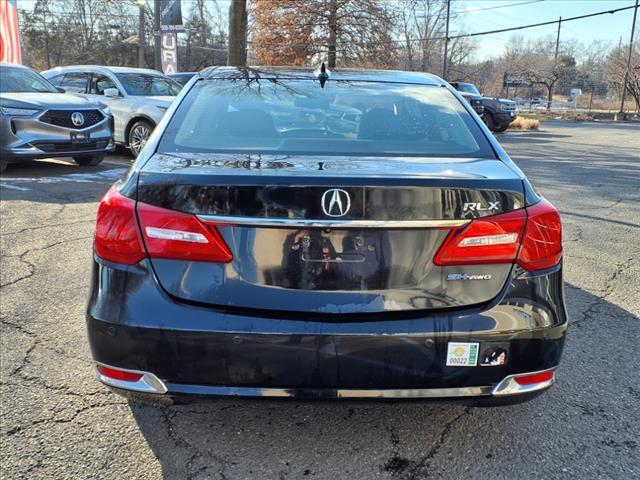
(522, 123)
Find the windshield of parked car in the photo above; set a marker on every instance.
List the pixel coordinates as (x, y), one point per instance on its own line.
(147, 85)
(468, 87)
(23, 80)
(344, 117)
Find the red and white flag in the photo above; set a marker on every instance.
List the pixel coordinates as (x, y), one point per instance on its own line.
(9, 32)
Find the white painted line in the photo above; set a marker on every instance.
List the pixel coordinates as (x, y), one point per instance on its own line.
(14, 187)
(70, 177)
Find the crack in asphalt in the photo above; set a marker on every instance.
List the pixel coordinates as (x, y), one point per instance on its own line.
(41, 342)
(406, 469)
(168, 419)
(31, 266)
(54, 420)
(52, 225)
(607, 290)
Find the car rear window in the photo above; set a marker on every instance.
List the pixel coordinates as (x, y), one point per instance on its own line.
(345, 117)
(141, 84)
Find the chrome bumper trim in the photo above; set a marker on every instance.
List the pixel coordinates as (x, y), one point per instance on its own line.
(328, 393)
(149, 383)
(509, 386)
(318, 223)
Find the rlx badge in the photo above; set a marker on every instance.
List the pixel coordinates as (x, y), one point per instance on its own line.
(466, 276)
(478, 207)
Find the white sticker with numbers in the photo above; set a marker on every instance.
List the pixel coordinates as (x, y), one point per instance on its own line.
(461, 354)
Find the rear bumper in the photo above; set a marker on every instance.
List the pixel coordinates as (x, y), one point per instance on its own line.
(195, 350)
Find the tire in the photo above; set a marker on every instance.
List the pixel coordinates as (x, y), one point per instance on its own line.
(88, 160)
(489, 121)
(138, 136)
(500, 128)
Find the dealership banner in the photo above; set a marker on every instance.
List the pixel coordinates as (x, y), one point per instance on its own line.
(9, 32)
(170, 16)
(169, 52)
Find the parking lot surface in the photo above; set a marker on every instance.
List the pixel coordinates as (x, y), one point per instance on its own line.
(58, 422)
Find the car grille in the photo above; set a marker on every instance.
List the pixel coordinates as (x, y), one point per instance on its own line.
(61, 147)
(62, 118)
(510, 108)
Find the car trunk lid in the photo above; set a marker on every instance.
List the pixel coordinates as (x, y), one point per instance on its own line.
(330, 234)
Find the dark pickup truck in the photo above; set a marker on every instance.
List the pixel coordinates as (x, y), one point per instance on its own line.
(497, 113)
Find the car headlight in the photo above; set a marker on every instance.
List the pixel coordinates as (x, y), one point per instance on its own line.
(106, 110)
(502, 106)
(21, 112)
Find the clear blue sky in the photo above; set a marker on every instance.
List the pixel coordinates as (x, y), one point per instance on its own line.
(480, 15)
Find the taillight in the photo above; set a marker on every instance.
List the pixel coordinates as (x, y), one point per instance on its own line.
(177, 235)
(117, 238)
(542, 244)
(494, 239)
(532, 237)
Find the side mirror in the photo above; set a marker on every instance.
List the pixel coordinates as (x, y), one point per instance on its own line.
(61, 90)
(111, 92)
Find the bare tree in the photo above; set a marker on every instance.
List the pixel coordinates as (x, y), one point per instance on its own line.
(616, 64)
(205, 38)
(349, 32)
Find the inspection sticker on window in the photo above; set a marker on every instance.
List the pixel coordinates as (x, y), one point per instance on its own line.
(462, 354)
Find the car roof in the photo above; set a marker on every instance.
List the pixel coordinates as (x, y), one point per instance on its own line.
(103, 68)
(15, 65)
(353, 74)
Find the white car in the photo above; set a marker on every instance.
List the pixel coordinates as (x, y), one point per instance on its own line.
(137, 97)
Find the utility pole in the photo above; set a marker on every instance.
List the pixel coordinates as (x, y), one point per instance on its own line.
(157, 36)
(141, 42)
(555, 63)
(445, 61)
(237, 53)
(626, 73)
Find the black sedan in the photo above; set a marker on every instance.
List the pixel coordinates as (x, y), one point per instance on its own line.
(264, 245)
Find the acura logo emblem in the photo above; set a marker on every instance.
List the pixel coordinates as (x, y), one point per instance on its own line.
(77, 119)
(336, 202)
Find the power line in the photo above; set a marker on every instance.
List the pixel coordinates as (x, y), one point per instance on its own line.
(551, 22)
(495, 7)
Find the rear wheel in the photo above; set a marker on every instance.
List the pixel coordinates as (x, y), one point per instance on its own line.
(500, 128)
(138, 136)
(88, 160)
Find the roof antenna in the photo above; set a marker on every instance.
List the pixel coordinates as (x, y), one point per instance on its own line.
(322, 74)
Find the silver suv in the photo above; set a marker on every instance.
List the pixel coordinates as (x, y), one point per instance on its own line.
(137, 97)
(38, 121)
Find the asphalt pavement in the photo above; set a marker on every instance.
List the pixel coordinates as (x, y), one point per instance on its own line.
(58, 422)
